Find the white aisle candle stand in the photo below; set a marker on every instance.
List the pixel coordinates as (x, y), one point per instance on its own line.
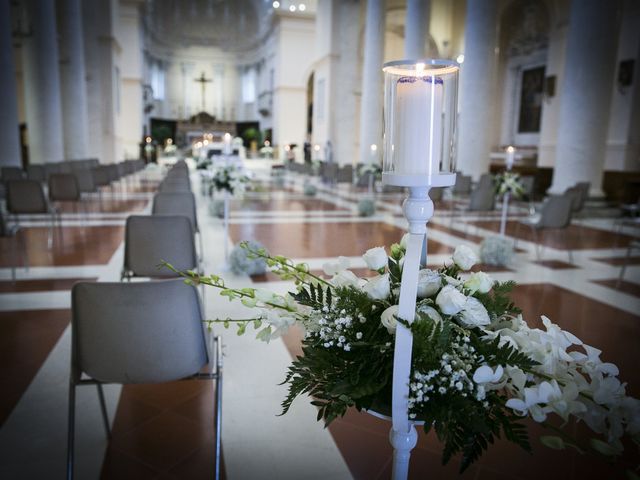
(419, 121)
(509, 159)
(226, 226)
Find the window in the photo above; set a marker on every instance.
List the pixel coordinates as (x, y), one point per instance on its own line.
(249, 85)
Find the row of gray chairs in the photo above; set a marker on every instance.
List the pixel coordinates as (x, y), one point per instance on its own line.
(146, 332)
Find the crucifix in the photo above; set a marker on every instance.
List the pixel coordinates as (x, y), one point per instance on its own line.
(203, 83)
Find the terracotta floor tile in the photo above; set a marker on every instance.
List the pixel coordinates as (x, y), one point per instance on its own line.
(71, 246)
(131, 412)
(167, 395)
(618, 261)
(164, 441)
(119, 466)
(199, 465)
(41, 284)
(302, 240)
(555, 264)
(573, 237)
(624, 286)
(26, 338)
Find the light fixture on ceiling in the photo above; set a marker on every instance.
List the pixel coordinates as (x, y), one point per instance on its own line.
(292, 8)
(460, 58)
(276, 4)
(302, 7)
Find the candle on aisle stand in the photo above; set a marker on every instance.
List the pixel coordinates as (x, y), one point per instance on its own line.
(418, 124)
(227, 144)
(511, 156)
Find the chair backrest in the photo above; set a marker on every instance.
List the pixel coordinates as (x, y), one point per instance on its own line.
(63, 187)
(330, 173)
(436, 194)
(179, 203)
(151, 239)
(143, 332)
(364, 179)
(11, 173)
(37, 173)
(65, 166)
(100, 176)
(113, 171)
(556, 211)
(463, 184)
(528, 183)
(85, 181)
(486, 180)
(584, 188)
(482, 197)
(26, 196)
(575, 194)
(174, 187)
(345, 174)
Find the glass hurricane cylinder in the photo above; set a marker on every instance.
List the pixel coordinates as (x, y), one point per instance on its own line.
(420, 99)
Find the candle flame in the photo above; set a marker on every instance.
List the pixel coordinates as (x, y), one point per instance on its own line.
(511, 149)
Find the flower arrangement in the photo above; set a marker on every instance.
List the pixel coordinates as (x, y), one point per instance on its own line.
(366, 207)
(496, 250)
(230, 177)
(478, 369)
(241, 261)
(372, 168)
(216, 208)
(309, 189)
(508, 182)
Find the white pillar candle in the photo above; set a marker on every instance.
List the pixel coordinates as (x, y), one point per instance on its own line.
(417, 136)
(510, 158)
(227, 144)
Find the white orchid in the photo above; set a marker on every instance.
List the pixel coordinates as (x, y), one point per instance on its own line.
(279, 322)
(334, 268)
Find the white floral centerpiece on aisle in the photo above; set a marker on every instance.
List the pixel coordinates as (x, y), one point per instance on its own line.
(508, 182)
(478, 369)
(230, 177)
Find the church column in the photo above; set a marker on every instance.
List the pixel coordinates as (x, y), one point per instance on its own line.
(42, 84)
(585, 96)
(371, 100)
(73, 80)
(417, 28)
(9, 129)
(477, 79)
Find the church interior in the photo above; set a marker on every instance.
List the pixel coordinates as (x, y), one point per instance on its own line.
(224, 137)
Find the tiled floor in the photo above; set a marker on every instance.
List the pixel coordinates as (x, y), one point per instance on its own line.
(165, 431)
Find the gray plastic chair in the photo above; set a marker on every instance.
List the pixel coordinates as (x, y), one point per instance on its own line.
(37, 173)
(11, 173)
(63, 187)
(555, 214)
(481, 200)
(462, 185)
(148, 332)
(100, 176)
(26, 197)
(151, 239)
(179, 203)
(9, 232)
(175, 186)
(85, 181)
(345, 174)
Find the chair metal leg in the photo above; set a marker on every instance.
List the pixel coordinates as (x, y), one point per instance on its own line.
(103, 408)
(624, 266)
(218, 407)
(71, 429)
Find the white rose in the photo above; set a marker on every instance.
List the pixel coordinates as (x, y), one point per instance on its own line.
(430, 312)
(378, 287)
(450, 300)
(345, 278)
(388, 318)
(375, 258)
(474, 314)
(333, 268)
(479, 282)
(464, 257)
(428, 283)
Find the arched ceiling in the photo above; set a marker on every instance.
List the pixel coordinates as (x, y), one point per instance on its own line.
(228, 24)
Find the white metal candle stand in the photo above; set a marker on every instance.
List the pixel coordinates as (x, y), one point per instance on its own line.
(418, 210)
(226, 226)
(505, 197)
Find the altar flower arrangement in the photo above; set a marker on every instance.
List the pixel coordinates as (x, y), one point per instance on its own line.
(478, 368)
(508, 182)
(229, 177)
